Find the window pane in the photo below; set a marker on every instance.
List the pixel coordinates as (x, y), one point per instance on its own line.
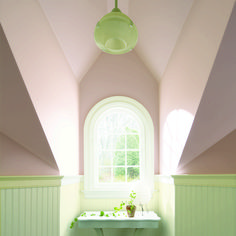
(103, 142)
(119, 159)
(104, 175)
(108, 141)
(132, 141)
(130, 130)
(132, 173)
(120, 142)
(119, 174)
(105, 158)
(132, 158)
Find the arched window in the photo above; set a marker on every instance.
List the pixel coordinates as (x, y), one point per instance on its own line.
(118, 147)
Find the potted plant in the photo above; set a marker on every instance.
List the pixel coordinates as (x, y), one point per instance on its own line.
(130, 207)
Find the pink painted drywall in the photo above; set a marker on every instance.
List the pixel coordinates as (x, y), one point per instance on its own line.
(16, 160)
(191, 62)
(48, 78)
(18, 119)
(216, 115)
(119, 75)
(159, 24)
(219, 159)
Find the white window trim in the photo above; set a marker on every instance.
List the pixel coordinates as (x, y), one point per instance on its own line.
(115, 190)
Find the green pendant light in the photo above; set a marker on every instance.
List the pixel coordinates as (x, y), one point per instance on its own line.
(116, 33)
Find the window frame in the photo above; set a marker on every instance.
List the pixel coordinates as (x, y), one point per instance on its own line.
(116, 190)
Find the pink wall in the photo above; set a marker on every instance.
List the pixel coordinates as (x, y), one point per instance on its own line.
(123, 75)
(216, 115)
(16, 160)
(190, 65)
(18, 118)
(48, 78)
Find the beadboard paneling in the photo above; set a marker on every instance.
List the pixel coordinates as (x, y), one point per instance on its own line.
(202, 205)
(30, 211)
(205, 211)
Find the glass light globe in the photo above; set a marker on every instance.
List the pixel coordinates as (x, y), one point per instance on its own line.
(116, 33)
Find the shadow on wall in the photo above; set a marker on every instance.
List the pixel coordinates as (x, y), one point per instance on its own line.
(175, 134)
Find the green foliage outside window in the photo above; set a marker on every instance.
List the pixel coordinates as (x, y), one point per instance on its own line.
(132, 142)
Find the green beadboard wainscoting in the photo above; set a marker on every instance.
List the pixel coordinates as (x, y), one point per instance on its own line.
(205, 205)
(189, 205)
(198, 205)
(30, 205)
(38, 205)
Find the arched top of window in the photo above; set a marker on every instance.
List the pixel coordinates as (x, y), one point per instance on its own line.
(118, 147)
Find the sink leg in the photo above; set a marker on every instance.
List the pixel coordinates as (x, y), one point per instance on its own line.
(99, 231)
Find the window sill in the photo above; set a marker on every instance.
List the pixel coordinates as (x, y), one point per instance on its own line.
(106, 194)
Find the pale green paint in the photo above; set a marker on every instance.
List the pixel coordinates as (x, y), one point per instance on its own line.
(194, 205)
(69, 208)
(99, 224)
(206, 180)
(7, 182)
(0, 213)
(166, 207)
(92, 219)
(30, 211)
(189, 205)
(201, 210)
(115, 33)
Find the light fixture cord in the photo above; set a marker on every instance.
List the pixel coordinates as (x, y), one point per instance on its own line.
(116, 4)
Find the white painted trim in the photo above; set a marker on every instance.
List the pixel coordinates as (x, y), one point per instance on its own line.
(164, 179)
(81, 178)
(89, 166)
(106, 194)
(66, 180)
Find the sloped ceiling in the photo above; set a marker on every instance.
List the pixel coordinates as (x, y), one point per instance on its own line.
(159, 23)
(216, 115)
(73, 23)
(218, 159)
(16, 160)
(18, 119)
(47, 76)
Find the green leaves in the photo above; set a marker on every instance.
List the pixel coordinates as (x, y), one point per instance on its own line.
(132, 196)
(73, 222)
(102, 213)
(120, 208)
